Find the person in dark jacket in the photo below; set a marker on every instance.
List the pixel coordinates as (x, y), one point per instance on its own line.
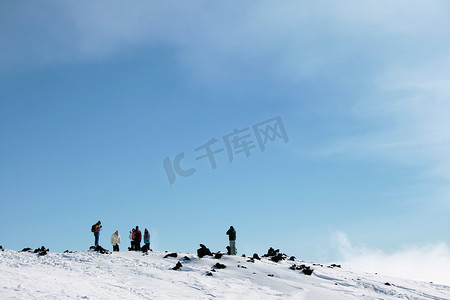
(232, 237)
(137, 239)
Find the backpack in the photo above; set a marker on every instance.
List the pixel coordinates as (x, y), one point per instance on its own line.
(93, 228)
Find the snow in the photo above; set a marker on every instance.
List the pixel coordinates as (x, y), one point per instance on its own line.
(133, 275)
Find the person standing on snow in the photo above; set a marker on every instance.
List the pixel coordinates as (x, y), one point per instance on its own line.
(232, 237)
(146, 239)
(96, 229)
(116, 240)
(137, 239)
(131, 236)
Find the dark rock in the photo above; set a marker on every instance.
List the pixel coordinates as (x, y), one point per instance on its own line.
(100, 249)
(251, 259)
(277, 257)
(41, 251)
(219, 266)
(318, 265)
(243, 255)
(334, 266)
(292, 267)
(1, 248)
(307, 271)
(203, 251)
(218, 255)
(243, 267)
(186, 258)
(177, 266)
(292, 258)
(67, 251)
(145, 248)
(300, 267)
(171, 255)
(209, 274)
(256, 256)
(270, 275)
(387, 283)
(271, 252)
(26, 250)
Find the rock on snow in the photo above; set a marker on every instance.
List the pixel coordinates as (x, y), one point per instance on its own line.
(131, 275)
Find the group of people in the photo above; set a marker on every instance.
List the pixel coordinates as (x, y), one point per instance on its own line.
(136, 238)
(116, 240)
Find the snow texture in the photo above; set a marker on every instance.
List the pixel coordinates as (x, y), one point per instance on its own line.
(133, 275)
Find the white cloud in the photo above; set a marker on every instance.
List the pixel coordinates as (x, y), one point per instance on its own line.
(425, 263)
(294, 39)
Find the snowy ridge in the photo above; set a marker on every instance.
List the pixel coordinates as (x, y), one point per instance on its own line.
(133, 275)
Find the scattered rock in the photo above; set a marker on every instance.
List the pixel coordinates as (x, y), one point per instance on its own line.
(335, 266)
(1, 248)
(209, 274)
(307, 271)
(387, 283)
(67, 251)
(145, 248)
(100, 249)
(271, 252)
(292, 258)
(270, 275)
(41, 251)
(243, 255)
(171, 255)
(186, 258)
(203, 251)
(219, 266)
(218, 255)
(256, 256)
(243, 267)
(177, 266)
(251, 259)
(277, 257)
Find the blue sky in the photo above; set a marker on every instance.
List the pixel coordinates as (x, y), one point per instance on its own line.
(94, 97)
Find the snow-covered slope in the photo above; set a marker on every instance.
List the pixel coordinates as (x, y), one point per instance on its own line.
(132, 275)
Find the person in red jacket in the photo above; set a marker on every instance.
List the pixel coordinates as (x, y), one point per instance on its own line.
(137, 239)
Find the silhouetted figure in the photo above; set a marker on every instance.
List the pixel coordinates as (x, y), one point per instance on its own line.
(232, 237)
(137, 239)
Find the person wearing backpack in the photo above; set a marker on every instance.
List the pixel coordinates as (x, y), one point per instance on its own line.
(116, 240)
(96, 230)
(137, 239)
